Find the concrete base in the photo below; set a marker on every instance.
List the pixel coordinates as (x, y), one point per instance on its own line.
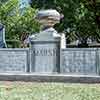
(49, 78)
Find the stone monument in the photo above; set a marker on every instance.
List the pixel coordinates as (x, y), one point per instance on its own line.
(45, 46)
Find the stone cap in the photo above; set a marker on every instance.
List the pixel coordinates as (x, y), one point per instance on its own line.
(50, 13)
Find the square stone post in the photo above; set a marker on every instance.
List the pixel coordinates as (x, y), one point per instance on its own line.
(45, 53)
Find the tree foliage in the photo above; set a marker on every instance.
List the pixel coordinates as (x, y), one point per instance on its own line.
(18, 25)
(93, 7)
(81, 18)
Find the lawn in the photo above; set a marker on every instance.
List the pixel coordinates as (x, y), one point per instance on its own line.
(48, 91)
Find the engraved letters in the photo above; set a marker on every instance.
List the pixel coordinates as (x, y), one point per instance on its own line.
(44, 52)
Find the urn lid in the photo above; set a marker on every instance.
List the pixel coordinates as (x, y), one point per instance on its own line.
(50, 13)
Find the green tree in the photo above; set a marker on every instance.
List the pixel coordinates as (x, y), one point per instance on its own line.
(18, 25)
(81, 17)
(93, 7)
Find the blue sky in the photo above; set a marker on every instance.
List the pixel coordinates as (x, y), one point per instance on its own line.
(24, 3)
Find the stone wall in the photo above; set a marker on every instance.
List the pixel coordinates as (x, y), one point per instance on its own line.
(85, 61)
(82, 61)
(14, 60)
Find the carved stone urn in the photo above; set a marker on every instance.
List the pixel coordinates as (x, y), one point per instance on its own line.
(45, 46)
(48, 18)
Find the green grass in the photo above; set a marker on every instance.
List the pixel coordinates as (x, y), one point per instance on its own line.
(48, 91)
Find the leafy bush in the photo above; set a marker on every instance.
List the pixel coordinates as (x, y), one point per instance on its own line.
(19, 23)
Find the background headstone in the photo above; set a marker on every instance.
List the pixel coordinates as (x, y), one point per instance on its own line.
(2, 36)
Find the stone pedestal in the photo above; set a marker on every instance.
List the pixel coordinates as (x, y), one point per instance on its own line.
(45, 52)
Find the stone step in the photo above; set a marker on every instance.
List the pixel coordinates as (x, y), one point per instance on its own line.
(49, 78)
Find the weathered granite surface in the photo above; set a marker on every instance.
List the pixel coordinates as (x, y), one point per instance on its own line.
(14, 60)
(50, 78)
(43, 57)
(80, 61)
(45, 52)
